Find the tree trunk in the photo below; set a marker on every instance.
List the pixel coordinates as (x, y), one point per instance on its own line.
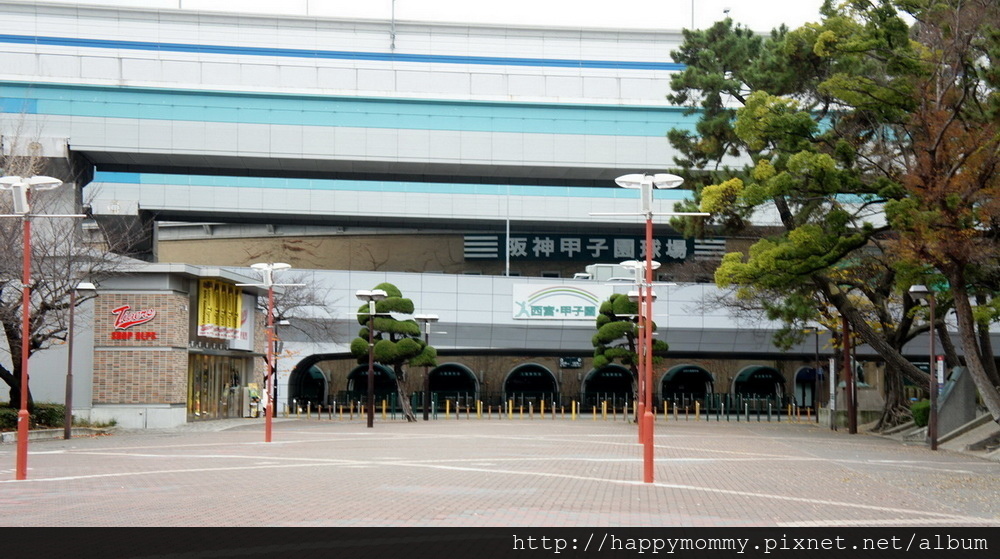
(13, 380)
(874, 339)
(947, 345)
(967, 333)
(896, 409)
(404, 396)
(986, 347)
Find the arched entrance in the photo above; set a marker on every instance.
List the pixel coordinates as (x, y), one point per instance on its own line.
(454, 380)
(612, 384)
(307, 386)
(530, 382)
(686, 383)
(759, 381)
(357, 383)
(804, 388)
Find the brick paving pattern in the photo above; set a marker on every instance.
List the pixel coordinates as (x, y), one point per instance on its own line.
(494, 473)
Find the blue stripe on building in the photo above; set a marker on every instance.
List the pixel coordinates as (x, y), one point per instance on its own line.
(336, 54)
(361, 112)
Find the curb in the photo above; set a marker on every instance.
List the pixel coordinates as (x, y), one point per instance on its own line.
(50, 434)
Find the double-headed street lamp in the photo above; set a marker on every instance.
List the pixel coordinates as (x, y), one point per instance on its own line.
(645, 183)
(426, 320)
(84, 287)
(371, 297)
(922, 293)
(21, 189)
(643, 343)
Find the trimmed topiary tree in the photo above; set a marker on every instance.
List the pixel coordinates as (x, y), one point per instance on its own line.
(617, 334)
(397, 340)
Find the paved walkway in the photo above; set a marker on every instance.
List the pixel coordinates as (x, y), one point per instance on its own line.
(494, 473)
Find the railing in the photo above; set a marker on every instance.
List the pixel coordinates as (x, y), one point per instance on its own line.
(462, 404)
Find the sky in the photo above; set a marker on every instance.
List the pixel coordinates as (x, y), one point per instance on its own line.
(760, 15)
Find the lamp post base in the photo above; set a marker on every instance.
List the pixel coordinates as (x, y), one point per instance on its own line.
(23, 422)
(647, 451)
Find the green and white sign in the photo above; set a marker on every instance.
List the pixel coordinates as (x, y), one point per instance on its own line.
(558, 302)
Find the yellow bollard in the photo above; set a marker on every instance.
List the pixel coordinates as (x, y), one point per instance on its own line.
(809, 413)
(789, 412)
(309, 409)
(697, 411)
(447, 408)
(510, 409)
(666, 410)
(595, 413)
(604, 410)
(572, 410)
(520, 411)
(479, 409)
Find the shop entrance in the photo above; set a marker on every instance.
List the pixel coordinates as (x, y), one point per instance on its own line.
(357, 384)
(758, 381)
(530, 382)
(308, 386)
(686, 382)
(612, 384)
(217, 387)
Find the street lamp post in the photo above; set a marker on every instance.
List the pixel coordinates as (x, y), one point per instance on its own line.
(267, 270)
(816, 375)
(371, 297)
(644, 344)
(21, 189)
(426, 320)
(645, 183)
(82, 287)
(815, 328)
(850, 383)
(922, 293)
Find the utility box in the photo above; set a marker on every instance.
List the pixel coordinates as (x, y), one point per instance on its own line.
(608, 273)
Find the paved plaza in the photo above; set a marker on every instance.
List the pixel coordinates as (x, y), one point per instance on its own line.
(551, 473)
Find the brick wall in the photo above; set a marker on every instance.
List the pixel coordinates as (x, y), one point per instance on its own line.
(146, 363)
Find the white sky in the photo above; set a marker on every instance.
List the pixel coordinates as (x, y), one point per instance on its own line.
(760, 15)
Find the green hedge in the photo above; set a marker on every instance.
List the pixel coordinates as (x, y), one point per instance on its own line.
(921, 412)
(44, 415)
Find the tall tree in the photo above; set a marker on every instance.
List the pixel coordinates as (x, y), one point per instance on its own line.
(950, 218)
(60, 260)
(397, 341)
(829, 174)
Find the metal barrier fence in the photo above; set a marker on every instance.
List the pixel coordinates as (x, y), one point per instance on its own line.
(467, 405)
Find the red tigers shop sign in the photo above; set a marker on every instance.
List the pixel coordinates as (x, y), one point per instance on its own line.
(126, 318)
